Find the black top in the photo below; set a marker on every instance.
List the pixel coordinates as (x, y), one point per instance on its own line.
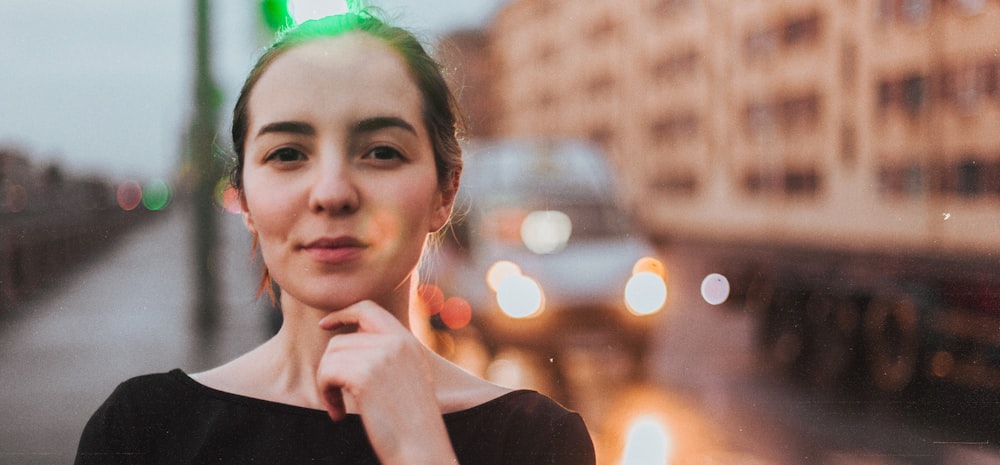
(169, 418)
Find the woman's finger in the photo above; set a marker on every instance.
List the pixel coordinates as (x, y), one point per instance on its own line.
(333, 398)
(366, 316)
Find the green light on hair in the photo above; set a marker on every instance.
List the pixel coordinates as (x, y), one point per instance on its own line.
(155, 195)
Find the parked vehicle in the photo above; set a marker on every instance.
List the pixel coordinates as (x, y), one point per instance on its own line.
(544, 254)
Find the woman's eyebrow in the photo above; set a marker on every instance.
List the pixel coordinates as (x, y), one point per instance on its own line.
(294, 127)
(381, 122)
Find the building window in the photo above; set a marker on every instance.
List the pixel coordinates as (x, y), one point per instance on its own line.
(670, 7)
(914, 93)
(675, 128)
(971, 7)
(907, 179)
(603, 137)
(790, 114)
(600, 84)
(916, 11)
(886, 94)
(761, 44)
(970, 177)
(801, 183)
(969, 181)
(801, 31)
(800, 112)
(602, 28)
(675, 183)
(676, 66)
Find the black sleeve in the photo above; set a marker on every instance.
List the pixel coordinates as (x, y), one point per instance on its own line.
(571, 443)
(557, 437)
(111, 435)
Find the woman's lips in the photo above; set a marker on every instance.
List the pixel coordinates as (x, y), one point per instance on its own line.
(335, 250)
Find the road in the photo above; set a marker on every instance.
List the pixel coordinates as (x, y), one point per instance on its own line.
(720, 407)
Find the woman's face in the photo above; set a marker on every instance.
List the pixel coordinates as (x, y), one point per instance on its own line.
(339, 175)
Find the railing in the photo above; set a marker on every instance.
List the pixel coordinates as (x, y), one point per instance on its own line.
(38, 249)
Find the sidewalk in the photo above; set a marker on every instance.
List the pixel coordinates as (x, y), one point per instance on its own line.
(125, 314)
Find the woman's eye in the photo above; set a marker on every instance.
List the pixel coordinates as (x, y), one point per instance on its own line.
(286, 155)
(384, 154)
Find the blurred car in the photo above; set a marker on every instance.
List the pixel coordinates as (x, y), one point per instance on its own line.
(544, 253)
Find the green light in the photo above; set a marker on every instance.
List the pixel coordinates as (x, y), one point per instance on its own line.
(282, 14)
(155, 195)
(275, 14)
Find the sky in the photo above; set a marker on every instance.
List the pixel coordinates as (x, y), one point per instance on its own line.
(104, 87)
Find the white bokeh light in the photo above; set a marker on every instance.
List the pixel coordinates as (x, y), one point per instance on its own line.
(519, 296)
(648, 442)
(545, 232)
(645, 293)
(715, 288)
(499, 272)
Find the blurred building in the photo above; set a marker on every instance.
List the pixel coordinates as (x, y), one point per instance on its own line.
(469, 68)
(858, 123)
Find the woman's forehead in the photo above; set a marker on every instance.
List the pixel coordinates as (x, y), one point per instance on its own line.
(345, 72)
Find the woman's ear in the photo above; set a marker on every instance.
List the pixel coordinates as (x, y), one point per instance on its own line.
(442, 212)
(247, 216)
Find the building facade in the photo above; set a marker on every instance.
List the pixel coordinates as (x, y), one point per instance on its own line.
(852, 123)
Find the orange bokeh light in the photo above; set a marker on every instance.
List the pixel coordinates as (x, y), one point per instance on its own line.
(456, 313)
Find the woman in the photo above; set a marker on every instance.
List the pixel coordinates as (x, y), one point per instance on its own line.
(347, 160)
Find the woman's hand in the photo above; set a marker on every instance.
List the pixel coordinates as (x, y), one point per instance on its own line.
(383, 371)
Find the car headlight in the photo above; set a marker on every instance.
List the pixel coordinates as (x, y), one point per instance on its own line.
(520, 296)
(646, 290)
(517, 295)
(546, 231)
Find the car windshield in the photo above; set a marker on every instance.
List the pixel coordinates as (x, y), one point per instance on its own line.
(550, 175)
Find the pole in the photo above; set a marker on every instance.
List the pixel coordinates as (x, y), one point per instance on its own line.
(205, 172)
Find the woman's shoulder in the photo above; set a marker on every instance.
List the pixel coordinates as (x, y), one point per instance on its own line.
(151, 386)
(521, 426)
(147, 394)
(522, 404)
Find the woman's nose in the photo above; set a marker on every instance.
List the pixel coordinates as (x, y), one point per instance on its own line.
(333, 190)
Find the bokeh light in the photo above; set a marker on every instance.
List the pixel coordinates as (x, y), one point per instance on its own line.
(156, 195)
(545, 232)
(129, 195)
(500, 271)
(520, 296)
(650, 265)
(456, 313)
(645, 293)
(227, 197)
(715, 288)
(431, 297)
(647, 442)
